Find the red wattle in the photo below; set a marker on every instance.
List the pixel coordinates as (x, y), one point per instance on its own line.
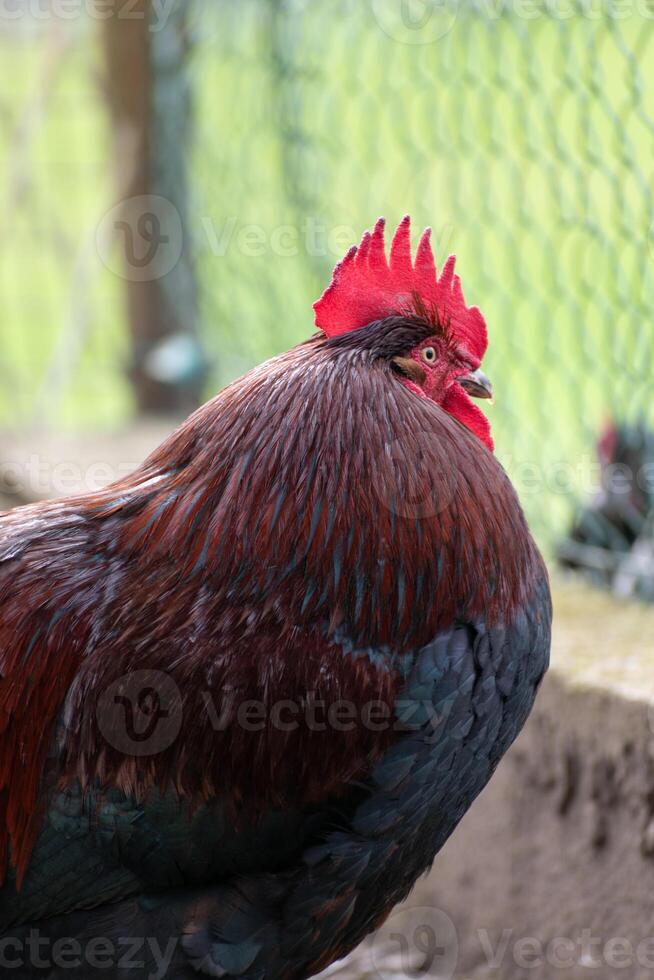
(459, 404)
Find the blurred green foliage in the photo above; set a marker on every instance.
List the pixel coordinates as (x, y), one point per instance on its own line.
(62, 326)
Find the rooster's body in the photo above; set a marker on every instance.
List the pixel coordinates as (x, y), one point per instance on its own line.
(248, 692)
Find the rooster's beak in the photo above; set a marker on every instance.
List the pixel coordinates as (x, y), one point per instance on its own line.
(477, 384)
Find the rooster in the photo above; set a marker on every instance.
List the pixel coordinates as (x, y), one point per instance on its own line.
(612, 537)
(249, 691)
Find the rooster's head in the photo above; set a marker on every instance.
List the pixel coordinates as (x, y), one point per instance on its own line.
(416, 321)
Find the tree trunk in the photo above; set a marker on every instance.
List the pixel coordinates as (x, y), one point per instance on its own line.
(149, 98)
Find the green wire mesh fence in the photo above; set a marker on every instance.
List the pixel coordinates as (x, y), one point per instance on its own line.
(522, 131)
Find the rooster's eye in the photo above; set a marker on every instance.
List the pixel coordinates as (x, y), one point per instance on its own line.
(428, 354)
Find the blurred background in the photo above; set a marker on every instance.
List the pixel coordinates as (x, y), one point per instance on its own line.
(179, 178)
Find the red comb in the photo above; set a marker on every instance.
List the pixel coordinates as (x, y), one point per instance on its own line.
(366, 286)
